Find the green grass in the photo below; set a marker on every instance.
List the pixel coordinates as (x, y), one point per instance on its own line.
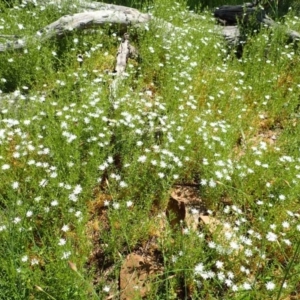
(85, 180)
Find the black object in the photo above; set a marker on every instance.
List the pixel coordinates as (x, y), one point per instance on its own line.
(230, 15)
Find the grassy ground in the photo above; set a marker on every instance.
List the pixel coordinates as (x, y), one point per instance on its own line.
(90, 187)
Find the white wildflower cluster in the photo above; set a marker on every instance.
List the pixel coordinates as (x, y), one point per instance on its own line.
(200, 117)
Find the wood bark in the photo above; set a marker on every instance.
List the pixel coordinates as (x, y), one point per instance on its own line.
(96, 15)
(125, 51)
(234, 14)
(237, 17)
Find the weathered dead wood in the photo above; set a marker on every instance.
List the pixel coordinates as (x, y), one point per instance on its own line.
(292, 34)
(115, 15)
(88, 14)
(84, 5)
(96, 14)
(231, 34)
(125, 51)
(94, 18)
(234, 14)
(237, 17)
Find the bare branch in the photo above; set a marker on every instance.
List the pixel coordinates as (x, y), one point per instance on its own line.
(125, 51)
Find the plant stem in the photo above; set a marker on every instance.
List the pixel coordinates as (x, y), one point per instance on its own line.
(288, 270)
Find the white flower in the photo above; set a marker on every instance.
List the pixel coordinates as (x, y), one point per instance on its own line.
(16, 154)
(64, 124)
(116, 205)
(212, 245)
(234, 245)
(281, 197)
(151, 49)
(228, 282)
(43, 182)
(78, 214)
(29, 214)
(271, 237)
(129, 203)
(285, 224)
(247, 286)
(54, 203)
(123, 184)
(270, 285)
(65, 228)
(219, 174)
(287, 242)
(103, 167)
(161, 175)
(219, 264)
(17, 220)
(73, 197)
(221, 276)
(203, 182)
(37, 199)
(67, 186)
(62, 242)
(142, 158)
(185, 231)
(226, 209)
(199, 268)
(77, 190)
(212, 183)
(24, 258)
(66, 255)
(163, 164)
(15, 185)
(234, 288)
(53, 175)
(106, 289)
(34, 261)
(248, 253)
(5, 167)
(110, 160)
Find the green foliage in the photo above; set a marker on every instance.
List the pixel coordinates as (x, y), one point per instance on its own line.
(86, 177)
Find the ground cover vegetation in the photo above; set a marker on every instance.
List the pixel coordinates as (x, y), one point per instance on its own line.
(185, 185)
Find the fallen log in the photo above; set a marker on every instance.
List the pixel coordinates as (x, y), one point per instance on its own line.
(239, 14)
(96, 14)
(109, 14)
(236, 18)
